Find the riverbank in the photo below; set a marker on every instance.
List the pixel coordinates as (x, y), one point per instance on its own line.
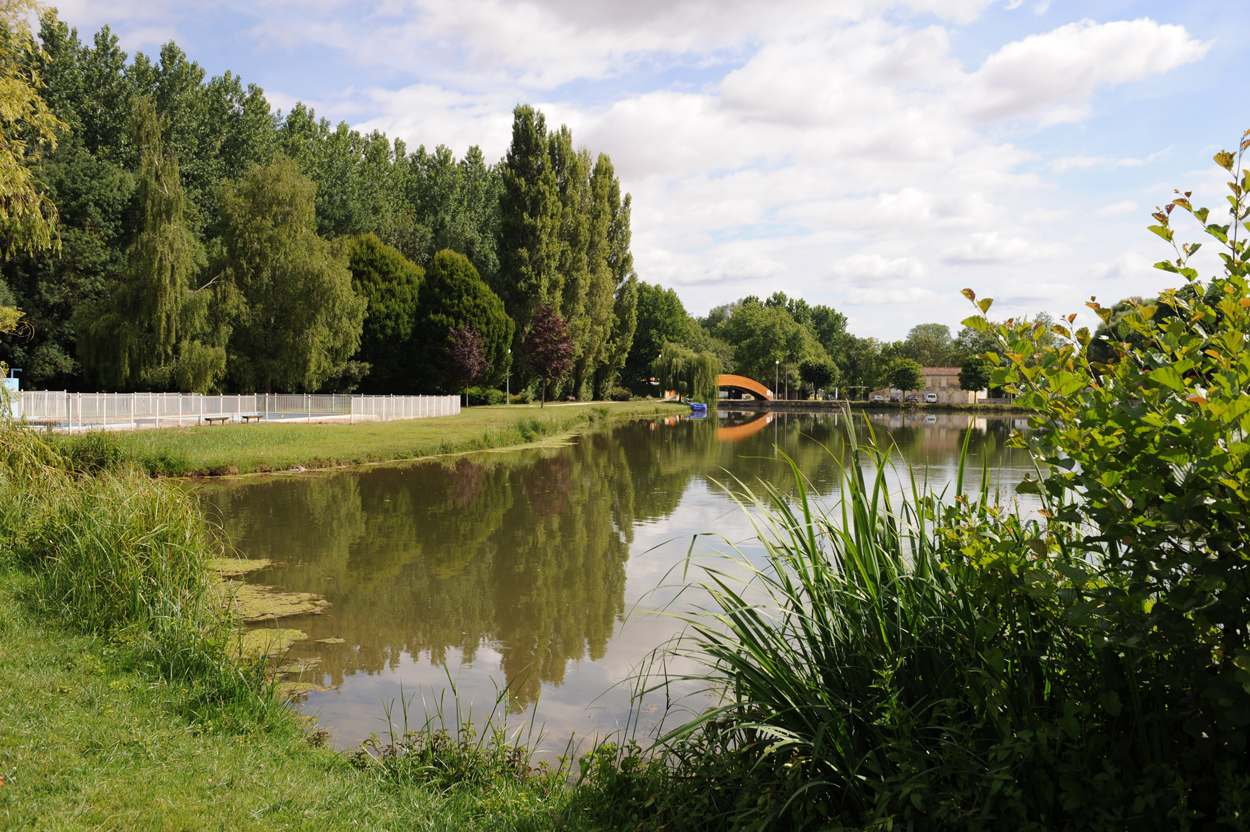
(262, 448)
(125, 702)
(85, 744)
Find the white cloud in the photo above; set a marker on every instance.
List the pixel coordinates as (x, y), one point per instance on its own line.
(989, 247)
(1052, 76)
(1086, 162)
(1117, 209)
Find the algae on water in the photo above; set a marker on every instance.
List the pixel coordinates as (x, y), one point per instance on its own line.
(253, 602)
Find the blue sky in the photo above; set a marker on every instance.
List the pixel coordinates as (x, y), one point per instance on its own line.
(878, 157)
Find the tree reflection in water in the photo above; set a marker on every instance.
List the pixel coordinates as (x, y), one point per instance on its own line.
(524, 552)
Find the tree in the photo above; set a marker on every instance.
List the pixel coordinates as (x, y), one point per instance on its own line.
(28, 128)
(529, 222)
(466, 358)
(829, 328)
(148, 331)
(905, 374)
(929, 345)
(389, 283)
(690, 373)
(819, 374)
(661, 319)
(298, 320)
(764, 335)
(861, 363)
(548, 347)
(975, 374)
(453, 296)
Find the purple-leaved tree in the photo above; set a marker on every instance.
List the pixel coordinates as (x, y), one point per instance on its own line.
(467, 358)
(548, 348)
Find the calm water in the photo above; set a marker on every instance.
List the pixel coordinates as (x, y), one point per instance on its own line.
(538, 569)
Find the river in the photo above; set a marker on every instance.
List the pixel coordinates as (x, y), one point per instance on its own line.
(539, 570)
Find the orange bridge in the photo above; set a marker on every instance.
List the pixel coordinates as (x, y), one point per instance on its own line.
(745, 385)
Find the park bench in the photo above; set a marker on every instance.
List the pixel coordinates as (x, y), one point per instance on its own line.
(217, 419)
(46, 424)
(247, 417)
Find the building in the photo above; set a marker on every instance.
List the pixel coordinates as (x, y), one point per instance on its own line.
(943, 381)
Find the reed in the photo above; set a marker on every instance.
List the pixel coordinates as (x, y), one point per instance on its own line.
(119, 555)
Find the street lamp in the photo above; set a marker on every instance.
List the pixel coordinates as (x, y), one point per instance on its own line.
(776, 369)
(507, 396)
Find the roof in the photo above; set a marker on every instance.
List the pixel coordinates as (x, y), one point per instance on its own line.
(940, 371)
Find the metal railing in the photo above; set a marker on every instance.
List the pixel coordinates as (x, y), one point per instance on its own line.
(131, 411)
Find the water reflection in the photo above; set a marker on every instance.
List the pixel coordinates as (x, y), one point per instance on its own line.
(518, 568)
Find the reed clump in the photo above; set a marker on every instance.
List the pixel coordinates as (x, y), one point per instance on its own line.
(116, 554)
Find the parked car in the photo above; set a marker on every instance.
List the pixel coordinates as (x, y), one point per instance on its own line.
(913, 399)
(878, 398)
(930, 398)
(895, 398)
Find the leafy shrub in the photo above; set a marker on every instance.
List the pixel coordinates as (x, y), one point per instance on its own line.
(524, 397)
(620, 394)
(480, 396)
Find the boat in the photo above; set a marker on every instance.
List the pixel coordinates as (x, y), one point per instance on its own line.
(697, 407)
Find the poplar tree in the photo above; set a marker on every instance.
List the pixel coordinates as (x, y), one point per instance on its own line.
(299, 320)
(530, 212)
(572, 170)
(621, 268)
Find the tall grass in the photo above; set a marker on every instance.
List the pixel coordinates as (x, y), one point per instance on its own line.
(122, 556)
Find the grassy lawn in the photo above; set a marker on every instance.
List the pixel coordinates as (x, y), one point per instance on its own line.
(253, 448)
(84, 745)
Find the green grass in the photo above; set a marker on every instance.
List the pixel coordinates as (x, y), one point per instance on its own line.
(85, 745)
(243, 449)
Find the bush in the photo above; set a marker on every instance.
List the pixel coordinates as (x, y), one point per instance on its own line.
(620, 394)
(481, 396)
(524, 397)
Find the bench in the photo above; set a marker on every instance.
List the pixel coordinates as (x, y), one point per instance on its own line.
(247, 417)
(217, 419)
(46, 424)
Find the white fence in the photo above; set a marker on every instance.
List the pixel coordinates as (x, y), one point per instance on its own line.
(131, 411)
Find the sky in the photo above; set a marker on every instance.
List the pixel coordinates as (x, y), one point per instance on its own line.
(877, 157)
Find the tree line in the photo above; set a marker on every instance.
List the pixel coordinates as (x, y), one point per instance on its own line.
(186, 236)
(788, 342)
(171, 231)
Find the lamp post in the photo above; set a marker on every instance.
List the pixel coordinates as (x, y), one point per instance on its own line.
(507, 396)
(776, 370)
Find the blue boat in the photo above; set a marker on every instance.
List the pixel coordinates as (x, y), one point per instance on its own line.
(697, 407)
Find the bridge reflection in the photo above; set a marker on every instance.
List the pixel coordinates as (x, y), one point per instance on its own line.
(735, 433)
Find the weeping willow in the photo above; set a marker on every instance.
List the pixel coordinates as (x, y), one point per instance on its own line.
(690, 373)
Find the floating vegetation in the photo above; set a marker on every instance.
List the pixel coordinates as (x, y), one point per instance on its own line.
(331, 641)
(253, 602)
(236, 567)
(300, 665)
(266, 641)
(295, 691)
